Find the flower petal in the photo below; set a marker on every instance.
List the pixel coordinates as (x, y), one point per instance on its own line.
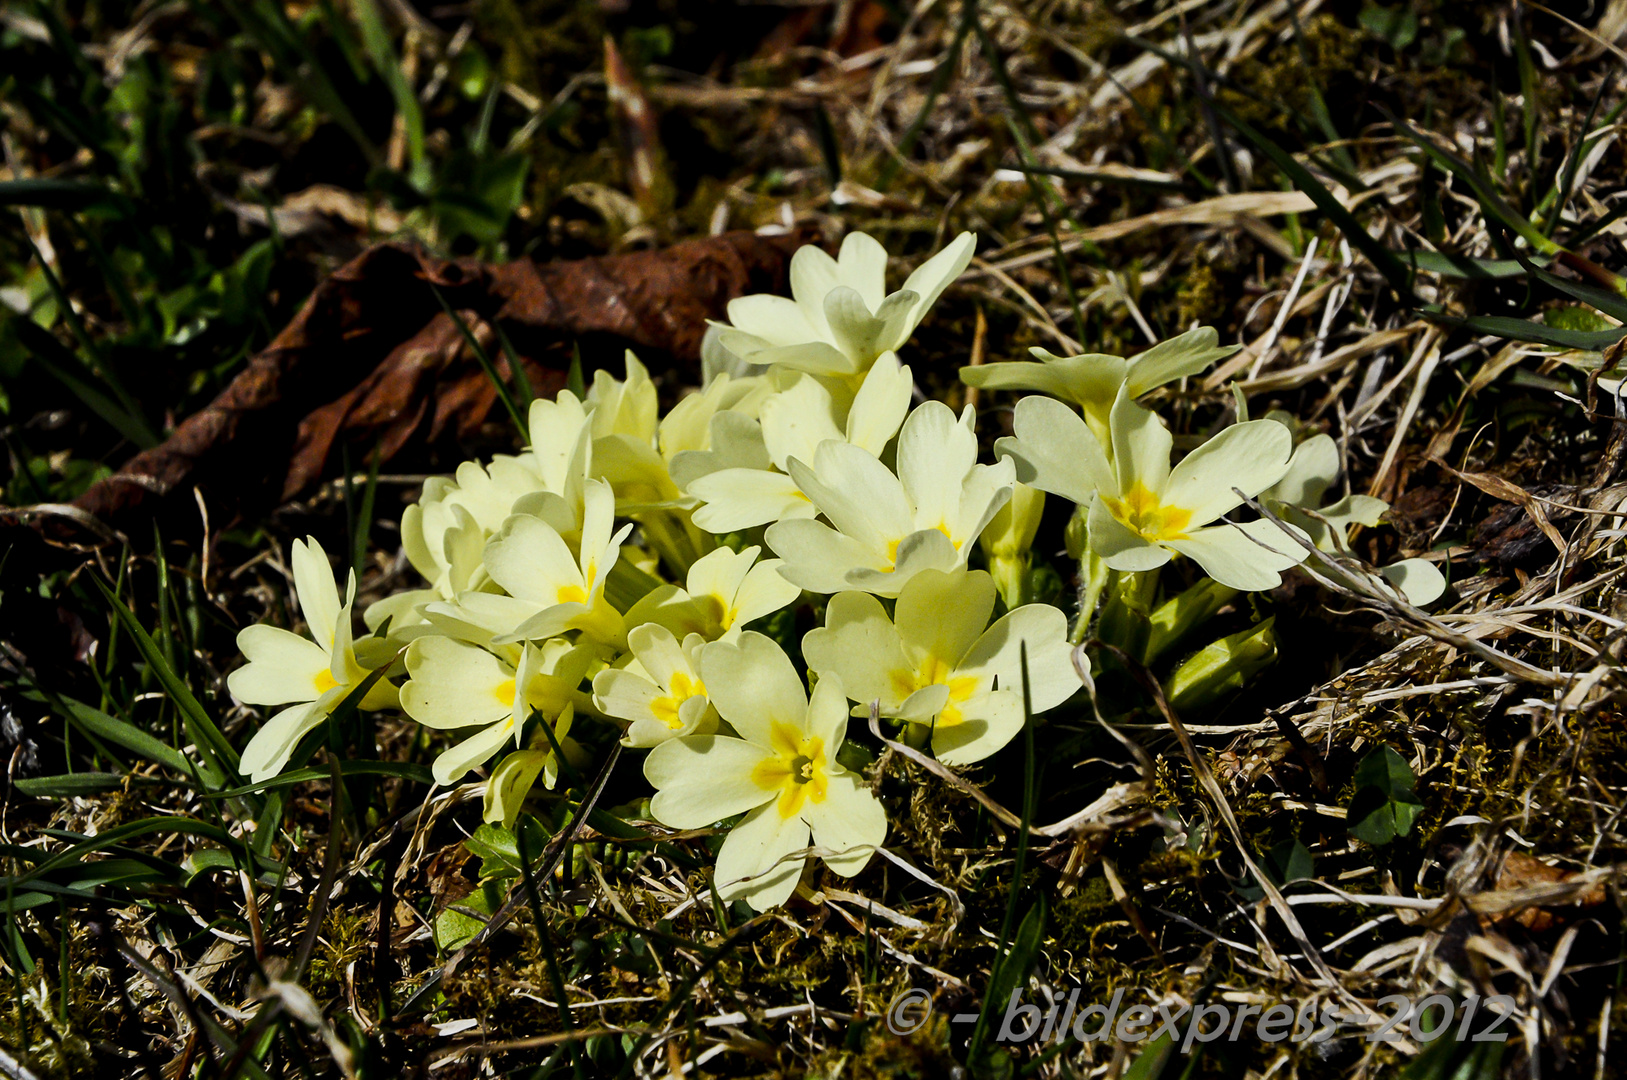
(935, 275)
(848, 820)
(455, 685)
(1054, 450)
(935, 452)
(750, 866)
(987, 724)
(1141, 446)
(313, 584)
(796, 420)
(813, 274)
(659, 654)
(1312, 469)
(859, 494)
(827, 712)
(704, 778)
(879, 407)
(282, 667)
(510, 783)
(998, 652)
(763, 592)
(268, 752)
(531, 562)
(739, 499)
(928, 549)
(753, 685)
(861, 265)
(1419, 581)
(1250, 457)
(860, 644)
(455, 761)
(940, 615)
(1174, 359)
(775, 320)
(1230, 554)
(818, 558)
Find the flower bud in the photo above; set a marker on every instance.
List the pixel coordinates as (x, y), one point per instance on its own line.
(1176, 618)
(1221, 668)
(1007, 540)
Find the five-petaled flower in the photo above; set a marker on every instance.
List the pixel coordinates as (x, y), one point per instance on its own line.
(781, 772)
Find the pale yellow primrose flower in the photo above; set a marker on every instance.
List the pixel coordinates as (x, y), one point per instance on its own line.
(1142, 512)
(793, 422)
(549, 589)
(1311, 471)
(660, 692)
(889, 528)
(935, 664)
(444, 533)
(284, 667)
(841, 318)
(453, 685)
(1092, 381)
(724, 591)
(781, 773)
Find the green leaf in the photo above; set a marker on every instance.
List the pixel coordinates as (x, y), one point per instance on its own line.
(69, 785)
(455, 928)
(1513, 329)
(1384, 806)
(121, 733)
(1150, 1064)
(1462, 266)
(497, 850)
(1398, 25)
(1576, 317)
(1288, 862)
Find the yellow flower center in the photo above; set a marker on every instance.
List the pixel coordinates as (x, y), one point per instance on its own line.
(892, 545)
(683, 688)
(1149, 519)
(571, 594)
(715, 610)
(324, 681)
(504, 692)
(933, 672)
(796, 771)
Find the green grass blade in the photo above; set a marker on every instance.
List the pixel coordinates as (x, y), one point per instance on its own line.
(1382, 258)
(1449, 265)
(70, 785)
(219, 757)
(974, 1050)
(1485, 191)
(486, 365)
(940, 82)
(418, 774)
(376, 42)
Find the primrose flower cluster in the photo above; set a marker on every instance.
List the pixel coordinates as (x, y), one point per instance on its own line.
(639, 576)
